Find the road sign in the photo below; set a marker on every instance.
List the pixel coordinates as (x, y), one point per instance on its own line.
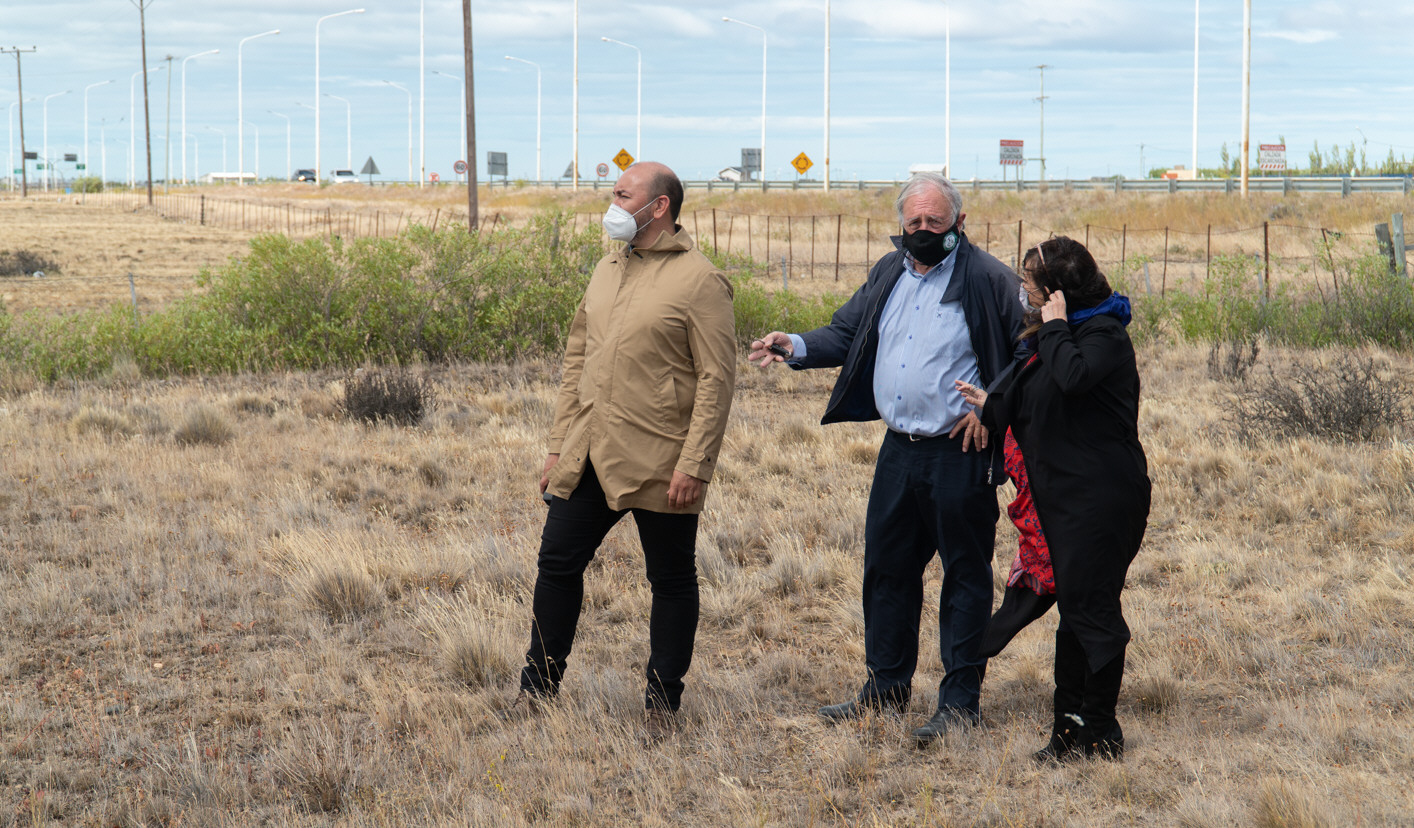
(71, 157)
(31, 155)
(459, 167)
(750, 160)
(1271, 156)
(802, 163)
(435, 178)
(82, 167)
(623, 159)
(496, 164)
(602, 169)
(1012, 153)
(369, 168)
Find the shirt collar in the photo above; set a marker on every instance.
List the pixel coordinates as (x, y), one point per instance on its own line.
(910, 267)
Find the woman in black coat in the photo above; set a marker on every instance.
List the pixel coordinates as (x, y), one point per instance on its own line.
(1072, 403)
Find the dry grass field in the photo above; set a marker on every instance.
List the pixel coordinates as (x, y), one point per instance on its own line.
(223, 603)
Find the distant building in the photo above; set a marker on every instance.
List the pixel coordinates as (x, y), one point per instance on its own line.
(940, 169)
(1180, 174)
(226, 177)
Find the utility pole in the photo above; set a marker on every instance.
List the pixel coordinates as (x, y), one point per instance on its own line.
(146, 108)
(19, 79)
(1246, 89)
(1042, 99)
(471, 205)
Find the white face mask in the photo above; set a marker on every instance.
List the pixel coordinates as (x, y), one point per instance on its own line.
(1025, 298)
(622, 225)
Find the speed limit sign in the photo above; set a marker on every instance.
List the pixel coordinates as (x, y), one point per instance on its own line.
(459, 168)
(603, 170)
(435, 177)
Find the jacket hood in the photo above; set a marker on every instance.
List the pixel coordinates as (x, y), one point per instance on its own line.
(678, 241)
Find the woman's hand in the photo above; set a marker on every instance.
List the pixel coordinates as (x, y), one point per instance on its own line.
(975, 396)
(1054, 307)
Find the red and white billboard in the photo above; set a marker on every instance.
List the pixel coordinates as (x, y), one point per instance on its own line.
(1012, 154)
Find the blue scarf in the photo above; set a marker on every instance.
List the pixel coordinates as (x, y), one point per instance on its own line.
(1116, 305)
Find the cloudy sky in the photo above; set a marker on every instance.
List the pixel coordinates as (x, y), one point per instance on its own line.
(1120, 75)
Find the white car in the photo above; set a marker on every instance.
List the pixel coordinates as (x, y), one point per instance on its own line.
(342, 177)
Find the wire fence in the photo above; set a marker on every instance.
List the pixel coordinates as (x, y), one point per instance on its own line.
(841, 247)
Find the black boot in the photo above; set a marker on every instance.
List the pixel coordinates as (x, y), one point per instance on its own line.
(1104, 738)
(1068, 729)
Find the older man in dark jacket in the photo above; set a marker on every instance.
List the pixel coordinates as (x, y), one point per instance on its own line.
(932, 311)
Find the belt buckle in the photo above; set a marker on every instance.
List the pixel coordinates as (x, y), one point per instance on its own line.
(913, 438)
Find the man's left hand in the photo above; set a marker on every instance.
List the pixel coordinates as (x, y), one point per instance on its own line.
(684, 490)
(973, 432)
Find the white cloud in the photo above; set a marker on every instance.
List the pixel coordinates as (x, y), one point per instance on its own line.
(1305, 36)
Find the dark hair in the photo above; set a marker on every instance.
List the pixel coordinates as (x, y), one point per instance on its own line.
(667, 183)
(1062, 263)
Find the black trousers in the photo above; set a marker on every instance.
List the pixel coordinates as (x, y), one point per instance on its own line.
(573, 531)
(928, 497)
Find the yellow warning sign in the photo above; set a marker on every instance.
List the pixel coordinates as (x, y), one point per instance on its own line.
(802, 163)
(623, 159)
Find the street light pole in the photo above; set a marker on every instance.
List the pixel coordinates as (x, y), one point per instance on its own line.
(349, 127)
(48, 162)
(827, 95)
(1042, 99)
(947, 92)
(132, 124)
(462, 145)
(184, 107)
(574, 161)
(762, 157)
(407, 92)
(638, 128)
(288, 168)
(318, 159)
(1194, 160)
(1246, 89)
(538, 179)
(86, 158)
(240, 109)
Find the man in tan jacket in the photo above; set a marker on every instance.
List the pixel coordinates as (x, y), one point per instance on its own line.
(647, 386)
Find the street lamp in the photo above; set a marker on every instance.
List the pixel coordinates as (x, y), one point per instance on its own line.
(221, 133)
(48, 162)
(184, 106)
(762, 157)
(537, 111)
(85, 119)
(462, 146)
(132, 124)
(349, 127)
(1043, 67)
(406, 91)
(240, 109)
(288, 168)
(638, 129)
(318, 169)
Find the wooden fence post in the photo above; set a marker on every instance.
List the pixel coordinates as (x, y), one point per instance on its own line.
(1123, 241)
(1018, 244)
(1208, 262)
(1330, 260)
(1087, 237)
(812, 246)
(839, 221)
(1164, 279)
(716, 247)
(768, 237)
(1266, 262)
(203, 210)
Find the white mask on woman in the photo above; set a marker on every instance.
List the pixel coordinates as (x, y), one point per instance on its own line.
(1025, 296)
(622, 225)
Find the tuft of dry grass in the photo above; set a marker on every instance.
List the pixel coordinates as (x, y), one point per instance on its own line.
(204, 425)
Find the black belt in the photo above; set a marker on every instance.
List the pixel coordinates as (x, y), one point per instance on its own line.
(919, 438)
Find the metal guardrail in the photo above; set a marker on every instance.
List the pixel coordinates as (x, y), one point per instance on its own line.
(1343, 185)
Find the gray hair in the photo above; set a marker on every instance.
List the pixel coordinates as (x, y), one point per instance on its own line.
(938, 183)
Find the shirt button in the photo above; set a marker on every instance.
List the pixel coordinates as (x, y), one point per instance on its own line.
(898, 398)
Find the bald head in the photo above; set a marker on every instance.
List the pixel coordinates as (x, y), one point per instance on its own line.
(661, 181)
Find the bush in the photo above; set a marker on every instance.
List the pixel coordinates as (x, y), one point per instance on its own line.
(1347, 399)
(25, 263)
(88, 184)
(394, 397)
(203, 425)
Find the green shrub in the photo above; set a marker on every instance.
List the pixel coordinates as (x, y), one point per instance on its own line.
(88, 184)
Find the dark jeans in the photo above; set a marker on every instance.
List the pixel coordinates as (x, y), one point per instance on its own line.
(573, 531)
(928, 497)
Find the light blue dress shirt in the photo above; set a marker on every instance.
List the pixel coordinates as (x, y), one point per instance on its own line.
(924, 344)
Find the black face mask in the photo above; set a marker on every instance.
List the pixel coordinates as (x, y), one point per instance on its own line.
(929, 248)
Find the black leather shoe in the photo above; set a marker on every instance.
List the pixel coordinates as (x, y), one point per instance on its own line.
(856, 708)
(1068, 740)
(1107, 745)
(947, 718)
